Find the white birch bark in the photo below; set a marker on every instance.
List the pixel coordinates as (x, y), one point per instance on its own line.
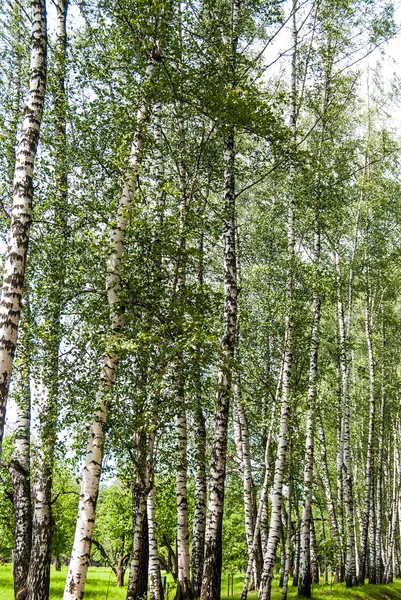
(350, 575)
(305, 572)
(200, 483)
(264, 490)
(211, 581)
(21, 212)
(19, 467)
(369, 498)
(156, 590)
(243, 450)
(326, 485)
(275, 522)
(38, 581)
(78, 568)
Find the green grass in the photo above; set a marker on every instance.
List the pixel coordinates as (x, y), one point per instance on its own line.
(101, 585)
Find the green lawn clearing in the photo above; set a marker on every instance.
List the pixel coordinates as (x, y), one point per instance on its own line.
(101, 586)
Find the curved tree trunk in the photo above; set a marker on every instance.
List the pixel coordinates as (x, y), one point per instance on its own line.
(75, 583)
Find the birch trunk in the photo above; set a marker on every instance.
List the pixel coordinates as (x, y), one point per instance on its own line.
(313, 554)
(140, 492)
(263, 496)
(38, 581)
(369, 497)
(275, 521)
(379, 489)
(19, 468)
(21, 211)
(329, 500)
(198, 536)
(247, 481)
(350, 576)
(287, 552)
(305, 572)
(183, 558)
(155, 582)
(75, 584)
(211, 580)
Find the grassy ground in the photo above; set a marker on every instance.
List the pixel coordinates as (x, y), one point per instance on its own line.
(101, 586)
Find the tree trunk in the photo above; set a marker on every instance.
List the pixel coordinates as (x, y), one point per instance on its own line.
(140, 492)
(326, 485)
(156, 590)
(199, 523)
(305, 572)
(350, 576)
(21, 212)
(211, 580)
(20, 465)
(369, 497)
(57, 563)
(75, 583)
(287, 551)
(39, 566)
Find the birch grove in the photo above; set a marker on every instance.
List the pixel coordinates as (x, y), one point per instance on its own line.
(201, 298)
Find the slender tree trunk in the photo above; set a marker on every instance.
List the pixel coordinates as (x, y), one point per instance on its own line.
(211, 580)
(326, 485)
(263, 495)
(21, 212)
(139, 505)
(199, 523)
(156, 590)
(75, 584)
(379, 488)
(39, 566)
(313, 554)
(369, 497)
(305, 573)
(247, 480)
(287, 551)
(184, 584)
(297, 544)
(275, 522)
(19, 468)
(350, 576)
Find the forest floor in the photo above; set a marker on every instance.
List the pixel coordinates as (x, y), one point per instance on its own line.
(101, 585)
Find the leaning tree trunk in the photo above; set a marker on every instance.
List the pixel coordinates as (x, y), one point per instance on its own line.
(21, 212)
(211, 580)
(257, 542)
(275, 523)
(75, 583)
